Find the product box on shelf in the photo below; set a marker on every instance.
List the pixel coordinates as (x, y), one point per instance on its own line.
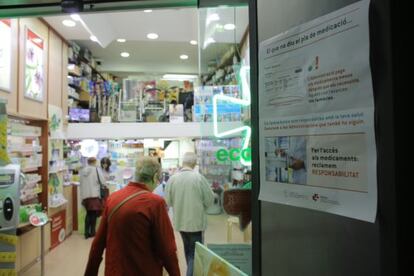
(227, 111)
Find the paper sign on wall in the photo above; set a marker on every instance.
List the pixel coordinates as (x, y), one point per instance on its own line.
(34, 66)
(317, 140)
(58, 225)
(5, 54)
(55, 122)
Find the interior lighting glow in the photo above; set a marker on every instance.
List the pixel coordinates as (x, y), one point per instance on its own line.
(152, 36)
(89, 148)
(179, 77)
(69, 23)
(212, 17)
(75, 17)
(229, 27)
(93, 38)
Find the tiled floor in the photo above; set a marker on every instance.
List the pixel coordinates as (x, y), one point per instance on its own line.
(69, 258)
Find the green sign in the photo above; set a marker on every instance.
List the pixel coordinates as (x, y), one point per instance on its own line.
(234, 154)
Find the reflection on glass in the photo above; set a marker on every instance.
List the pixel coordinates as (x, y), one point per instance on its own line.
(222, 106)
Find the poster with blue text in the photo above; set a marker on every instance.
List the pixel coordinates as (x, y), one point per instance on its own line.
(317, 138)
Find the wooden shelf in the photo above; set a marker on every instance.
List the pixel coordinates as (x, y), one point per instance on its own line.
(33, 169)
(76, 87)
(33, 182)
(74, 75)
(85, 61)
(74, 98)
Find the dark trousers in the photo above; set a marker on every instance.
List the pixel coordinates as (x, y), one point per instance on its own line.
(189, 240)
(90, 223)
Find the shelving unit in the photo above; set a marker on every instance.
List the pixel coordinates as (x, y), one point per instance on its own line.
(96, 92)
(57, 167)
(230, 59)
(27, 142)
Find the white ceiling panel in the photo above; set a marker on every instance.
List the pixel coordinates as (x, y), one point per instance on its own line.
(175, 27)
(146, 56)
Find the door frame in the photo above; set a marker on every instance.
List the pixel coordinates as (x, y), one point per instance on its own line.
(33, 8)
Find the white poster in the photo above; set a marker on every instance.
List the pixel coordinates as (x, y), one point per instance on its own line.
(55, 122)
(176, 113)
(317, 140)
(34, 66)
(5, 54)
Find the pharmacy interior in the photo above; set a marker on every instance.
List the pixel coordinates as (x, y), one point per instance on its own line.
(75, 86)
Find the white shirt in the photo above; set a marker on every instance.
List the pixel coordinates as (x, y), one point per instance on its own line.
(190, 195)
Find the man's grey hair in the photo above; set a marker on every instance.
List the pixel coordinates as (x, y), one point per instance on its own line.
(146, 168)
(189, 159)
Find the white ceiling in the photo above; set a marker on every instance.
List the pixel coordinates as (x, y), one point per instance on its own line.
(175, 27)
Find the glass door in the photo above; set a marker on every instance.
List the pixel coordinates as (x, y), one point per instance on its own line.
(222, 107)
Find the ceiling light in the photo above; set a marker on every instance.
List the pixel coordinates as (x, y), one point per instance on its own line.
(184, 57)
(193, 42)
(147, 11)
(121, 40)
(75, 17)
(37, 40)
(212, 17)
(93, 38)
(69, 23)
(125, 54)
(89, 148)
(152, 36)
(179, 77)
(208, 41)
(229, 27)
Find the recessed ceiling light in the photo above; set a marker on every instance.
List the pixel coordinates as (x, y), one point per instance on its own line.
(184, 57)
(152, 36)
(69, 23)
(213, 17)
(93, 38)
(37, 40)
(147, 10)
(75, 16)
(208, 41)
(229, 27)
(121, 40)
(125, 54)
(193, 42)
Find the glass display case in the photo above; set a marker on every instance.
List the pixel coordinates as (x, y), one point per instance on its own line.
(156, 101)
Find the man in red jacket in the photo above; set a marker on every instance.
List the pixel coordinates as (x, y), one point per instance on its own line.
(135, 230)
